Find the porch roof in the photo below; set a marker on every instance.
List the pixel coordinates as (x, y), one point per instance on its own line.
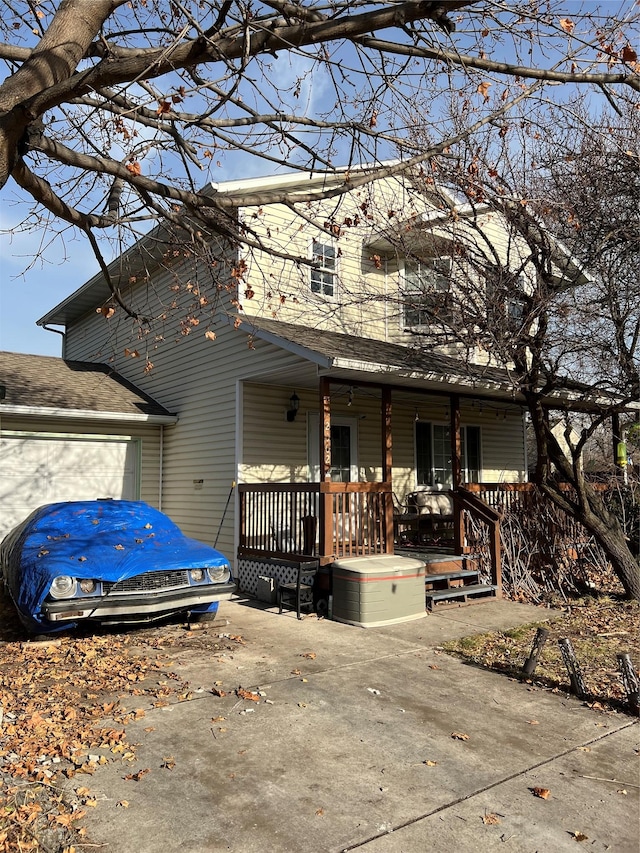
(353, 358)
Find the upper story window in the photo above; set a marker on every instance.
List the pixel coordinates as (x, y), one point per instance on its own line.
(506, 294)
(323, 271)
(426, 291)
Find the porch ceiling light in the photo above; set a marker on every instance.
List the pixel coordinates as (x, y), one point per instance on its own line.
(294, 405)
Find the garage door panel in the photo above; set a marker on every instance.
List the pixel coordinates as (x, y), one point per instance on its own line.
(35, 471)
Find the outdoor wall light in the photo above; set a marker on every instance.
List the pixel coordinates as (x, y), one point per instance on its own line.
(294, 405)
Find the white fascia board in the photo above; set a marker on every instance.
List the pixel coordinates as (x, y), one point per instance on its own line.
(293, 178)
(392, 369)
(84, 414)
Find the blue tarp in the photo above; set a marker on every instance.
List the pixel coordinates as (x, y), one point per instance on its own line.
(104, 540)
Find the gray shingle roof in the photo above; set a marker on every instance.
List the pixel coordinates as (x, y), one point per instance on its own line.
(336, 345)
(39, 381)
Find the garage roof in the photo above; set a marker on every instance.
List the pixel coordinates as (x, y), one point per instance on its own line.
(38, 385)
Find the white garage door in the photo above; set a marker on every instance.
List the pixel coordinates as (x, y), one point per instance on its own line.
(39, 470)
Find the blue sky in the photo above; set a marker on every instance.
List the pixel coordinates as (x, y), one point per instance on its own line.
(24, 298)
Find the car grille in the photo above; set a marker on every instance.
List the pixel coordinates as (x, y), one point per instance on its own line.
(149, 582)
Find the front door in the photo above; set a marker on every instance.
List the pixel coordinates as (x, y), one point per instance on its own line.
(344, 445)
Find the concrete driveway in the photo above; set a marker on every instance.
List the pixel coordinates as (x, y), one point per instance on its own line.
(370, 740)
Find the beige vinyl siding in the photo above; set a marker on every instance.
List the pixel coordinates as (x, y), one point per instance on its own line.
(280, 288)
(275, 450)
(194, 378)
(148, 437)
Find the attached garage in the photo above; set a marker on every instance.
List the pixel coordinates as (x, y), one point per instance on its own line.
(39, 469)
(74, 431)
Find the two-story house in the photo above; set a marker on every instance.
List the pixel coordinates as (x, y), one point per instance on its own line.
(309, 394)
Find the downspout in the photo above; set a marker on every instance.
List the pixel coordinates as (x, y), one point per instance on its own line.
(386, 299)
(61, 332)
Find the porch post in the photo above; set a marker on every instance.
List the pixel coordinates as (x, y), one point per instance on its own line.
(456, 471)
(387, 466)
(326, 514)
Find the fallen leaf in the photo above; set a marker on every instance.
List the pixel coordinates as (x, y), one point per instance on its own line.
(490, 819)
(533, 722)
(123, 804)
(434, 666)
(310, 655)
(579, 836)
(430, 763)
(459, 736)
(168, 763)
(319, 812)
(136, 777)
(247, 694)
(543, 793)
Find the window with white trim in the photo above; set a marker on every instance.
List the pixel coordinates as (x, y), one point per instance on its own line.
(323, 271)
(426, 291)
(433, 454)
(506, 298)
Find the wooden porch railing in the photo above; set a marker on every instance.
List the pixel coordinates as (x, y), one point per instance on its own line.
(477, 529)
(357, 519)
(323, 520)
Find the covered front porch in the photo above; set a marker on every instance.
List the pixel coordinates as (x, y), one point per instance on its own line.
(336, 521)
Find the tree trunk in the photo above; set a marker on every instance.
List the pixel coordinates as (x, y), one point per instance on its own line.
(586, 506)
(613, 542)
(54, 59)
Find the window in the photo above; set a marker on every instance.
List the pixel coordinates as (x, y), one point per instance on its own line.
(506, 298)
(426, 291)
(323, 272)
(433, 454)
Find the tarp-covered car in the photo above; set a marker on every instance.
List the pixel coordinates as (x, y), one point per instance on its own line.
(111, 561)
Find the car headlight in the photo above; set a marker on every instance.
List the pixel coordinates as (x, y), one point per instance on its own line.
(63, 586)
(197, 575)
(219, 574)
(87, 585)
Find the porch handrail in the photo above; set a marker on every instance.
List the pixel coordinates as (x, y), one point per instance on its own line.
(466, 501)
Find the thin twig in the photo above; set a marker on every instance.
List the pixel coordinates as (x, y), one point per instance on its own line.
(613, 781)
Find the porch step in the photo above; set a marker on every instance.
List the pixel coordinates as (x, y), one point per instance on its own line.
(448, 576)
(460, 592)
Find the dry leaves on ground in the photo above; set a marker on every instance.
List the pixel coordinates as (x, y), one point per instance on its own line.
(65, 703)
(599, 629)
